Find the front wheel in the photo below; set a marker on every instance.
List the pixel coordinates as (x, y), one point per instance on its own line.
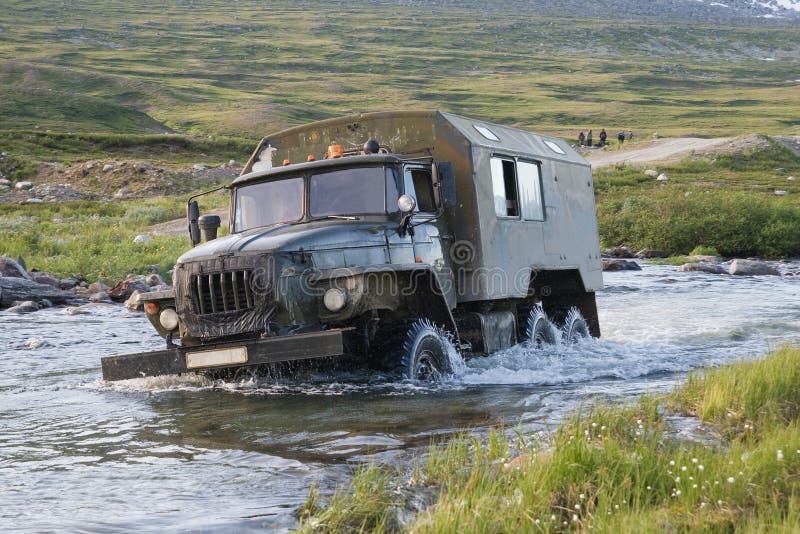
(418, 351)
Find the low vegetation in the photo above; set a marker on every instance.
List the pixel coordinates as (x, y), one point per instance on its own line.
(94, 240)
(608, 468)
(725, 202)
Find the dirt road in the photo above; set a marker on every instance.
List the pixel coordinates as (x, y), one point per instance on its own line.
(656, 150)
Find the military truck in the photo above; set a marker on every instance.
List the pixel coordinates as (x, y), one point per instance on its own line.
(389, 238)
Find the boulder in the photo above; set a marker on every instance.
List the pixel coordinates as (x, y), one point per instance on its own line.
(620, 252)
(651, 173)
(97, 287)
(780, 192)
(13, 269)
(647, 254)
(752, 268)
(107, 167)
(133, 303)
(199, 167)
(100, 296)
(24, 185)
(142, 239)
(5, 181)
(68, 283)
(45, 278)
(33, 201)
(620, 265)
(125, 288)
(662, 177)
(153, 280)
(700, 258)
(703, 267)
(27, 306)
(122, 192)
(13, 289)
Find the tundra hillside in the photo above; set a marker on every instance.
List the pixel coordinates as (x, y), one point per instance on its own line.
(153, 96)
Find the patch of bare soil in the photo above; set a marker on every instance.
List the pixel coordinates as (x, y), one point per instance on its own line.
(57, 182)
(674, 149)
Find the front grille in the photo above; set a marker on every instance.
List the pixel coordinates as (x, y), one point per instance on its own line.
(223, 291)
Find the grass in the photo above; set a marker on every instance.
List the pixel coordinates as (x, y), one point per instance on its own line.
(725, 202)
(211, 67)
(93, 239)
(607, 468)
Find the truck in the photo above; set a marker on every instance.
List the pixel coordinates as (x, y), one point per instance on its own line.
(387, 239)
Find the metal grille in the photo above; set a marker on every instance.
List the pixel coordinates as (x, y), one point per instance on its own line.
(223, 292)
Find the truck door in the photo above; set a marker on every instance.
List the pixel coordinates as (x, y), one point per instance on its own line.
(430, 239)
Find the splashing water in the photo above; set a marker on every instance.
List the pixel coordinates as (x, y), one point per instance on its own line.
(192, 454)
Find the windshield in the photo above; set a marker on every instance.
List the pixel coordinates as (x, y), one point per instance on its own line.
(342, 192)
(269, 203)
(356, 191)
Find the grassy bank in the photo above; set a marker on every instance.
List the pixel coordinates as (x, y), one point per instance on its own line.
(608, 468)
(727, 202)
(94, 239)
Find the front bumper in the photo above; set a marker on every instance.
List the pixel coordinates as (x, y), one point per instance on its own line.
(241, 354)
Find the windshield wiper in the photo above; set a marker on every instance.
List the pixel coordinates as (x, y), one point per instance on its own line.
(339, 217)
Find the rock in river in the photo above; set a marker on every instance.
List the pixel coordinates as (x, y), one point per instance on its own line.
(620, 265)
(27, 306)
(752, 268)
(703, 267)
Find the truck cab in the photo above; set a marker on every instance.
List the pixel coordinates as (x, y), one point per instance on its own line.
(394, 239)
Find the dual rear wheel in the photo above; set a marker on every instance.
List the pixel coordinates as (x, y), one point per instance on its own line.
(542, 331)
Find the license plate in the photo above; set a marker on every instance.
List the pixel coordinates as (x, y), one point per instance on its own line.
(216, 358)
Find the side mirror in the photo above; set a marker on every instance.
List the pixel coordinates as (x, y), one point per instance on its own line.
(209, 224)
(192, 215)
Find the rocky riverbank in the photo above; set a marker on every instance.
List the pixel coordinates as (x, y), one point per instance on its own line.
(23, 291)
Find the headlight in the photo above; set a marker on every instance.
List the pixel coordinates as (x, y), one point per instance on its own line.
(169, 319)
(335, 299)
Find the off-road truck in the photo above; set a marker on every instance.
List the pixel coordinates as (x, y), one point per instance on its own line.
(388, 238)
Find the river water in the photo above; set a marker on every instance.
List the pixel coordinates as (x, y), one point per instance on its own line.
(181, 454)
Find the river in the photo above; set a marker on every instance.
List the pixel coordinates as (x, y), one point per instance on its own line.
(181, 454)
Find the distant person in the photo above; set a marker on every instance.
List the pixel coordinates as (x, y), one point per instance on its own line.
(589, 138)
(603, 137)
(581, 138)
(630, 135)
(621, 137)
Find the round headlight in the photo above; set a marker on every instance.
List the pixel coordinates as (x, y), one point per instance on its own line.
(335, 299)
(406, 203)
(168, 319)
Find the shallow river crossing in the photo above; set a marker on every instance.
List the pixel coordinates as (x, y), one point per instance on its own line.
(181, 454)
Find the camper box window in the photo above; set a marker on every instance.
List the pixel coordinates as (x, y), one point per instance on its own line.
(510, 176)
(504, 185)
(530, 190)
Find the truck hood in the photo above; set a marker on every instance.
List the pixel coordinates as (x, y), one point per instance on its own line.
(311, 236)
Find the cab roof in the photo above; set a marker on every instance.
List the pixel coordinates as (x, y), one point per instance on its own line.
(324, 164)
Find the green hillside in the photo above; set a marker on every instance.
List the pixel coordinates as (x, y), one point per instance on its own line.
(243, 68)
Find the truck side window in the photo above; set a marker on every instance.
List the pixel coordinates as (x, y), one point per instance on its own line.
(419, 184)
(530, 191)
(504, 184)
(391, 191)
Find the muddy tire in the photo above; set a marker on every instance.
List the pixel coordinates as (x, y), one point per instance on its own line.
(575, 327)
(417, 350)
(539, 330)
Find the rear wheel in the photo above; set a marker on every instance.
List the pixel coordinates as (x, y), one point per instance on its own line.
(575, 327)
(417, 350)
(540, 330)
